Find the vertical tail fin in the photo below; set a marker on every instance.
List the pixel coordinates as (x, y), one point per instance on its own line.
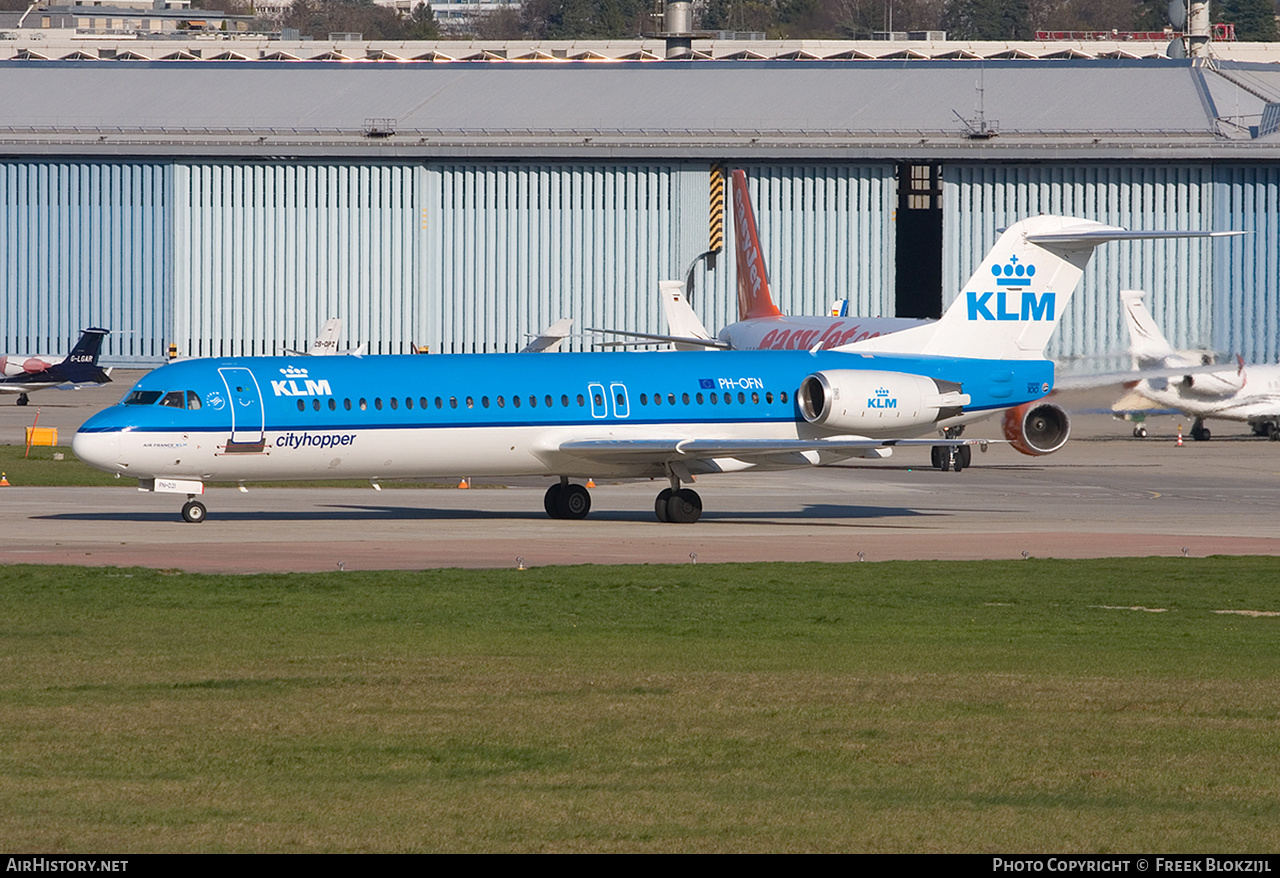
(754, 297)
(81, 365)
(1011, 305)
(681, 320)
(327, 341)
(1146, 342)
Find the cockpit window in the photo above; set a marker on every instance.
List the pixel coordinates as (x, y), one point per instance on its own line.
(193, 400)
(175, 399)
(142, 397)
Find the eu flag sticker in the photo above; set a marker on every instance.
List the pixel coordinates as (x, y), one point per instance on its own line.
(707, 383)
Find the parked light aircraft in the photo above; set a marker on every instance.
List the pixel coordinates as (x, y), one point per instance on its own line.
(326, 343)
(24, 375)
(1033, 428)
(576, 415)
(1230, 393)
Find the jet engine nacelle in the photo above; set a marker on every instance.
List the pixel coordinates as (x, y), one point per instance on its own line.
(854, 399)
(1213, 384)
(1037, 428)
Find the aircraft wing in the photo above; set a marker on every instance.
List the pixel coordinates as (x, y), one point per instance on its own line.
(1106, 379)
(672, 450)
(550, 338)
(674, 339)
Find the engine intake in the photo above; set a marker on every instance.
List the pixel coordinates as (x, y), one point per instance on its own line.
(854, 399)
(1037, 428)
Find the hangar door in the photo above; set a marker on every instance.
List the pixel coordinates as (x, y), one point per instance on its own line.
(84, 244)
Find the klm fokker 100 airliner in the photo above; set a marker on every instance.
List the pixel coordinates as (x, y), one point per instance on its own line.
(617, 415)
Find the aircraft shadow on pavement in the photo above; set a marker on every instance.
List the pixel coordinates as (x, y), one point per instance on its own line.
(366, 513)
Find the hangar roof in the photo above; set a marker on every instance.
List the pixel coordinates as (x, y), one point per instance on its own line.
(1094, 109)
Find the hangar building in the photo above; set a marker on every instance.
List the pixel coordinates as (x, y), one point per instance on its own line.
(231, 207)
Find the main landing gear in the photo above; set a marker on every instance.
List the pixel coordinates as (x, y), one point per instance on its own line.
(947, 457)
(568, 501)
(22, 399)
(678, 505)
(564, 500)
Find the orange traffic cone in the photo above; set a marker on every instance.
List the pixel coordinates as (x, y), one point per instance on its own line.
(4, 480)
(465, 483)
(1179, 435)
(591, 483)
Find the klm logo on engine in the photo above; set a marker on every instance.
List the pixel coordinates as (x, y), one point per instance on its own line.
(1011, 302)
(882, 400)
(290, 386)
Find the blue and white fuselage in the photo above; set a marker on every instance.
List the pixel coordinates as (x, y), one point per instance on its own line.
(568, 415)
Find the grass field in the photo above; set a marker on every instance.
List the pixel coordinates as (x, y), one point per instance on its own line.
(1106, 706)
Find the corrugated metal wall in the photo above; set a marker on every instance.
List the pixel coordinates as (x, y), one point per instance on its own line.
(1177, 274)
(84, 244)
(513, 248)
(250, 258)
(265, 253)
(1247, 269)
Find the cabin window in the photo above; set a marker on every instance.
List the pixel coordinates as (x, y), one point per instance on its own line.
(742, 397)
(581, 401)
(755, 398)
(377, 403)
(768, 397)
(471, 403)
(422, 403)
(302, 406)
(699, 398)
(346, 404)
(364, 405)
(782, 396)
(715, 398)
(564, 400)
(315, 403)
(515, 400)
(395, 403)
(453, 402)
(484, 401)
(408, 402)
(333, 404)
(501, 402)
(685, 397)
(597, 399)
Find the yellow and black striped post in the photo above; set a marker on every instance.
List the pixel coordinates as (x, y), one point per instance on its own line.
(716, 226)
(717, 208)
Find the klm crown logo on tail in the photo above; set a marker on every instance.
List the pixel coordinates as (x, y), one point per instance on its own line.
(1012, 302)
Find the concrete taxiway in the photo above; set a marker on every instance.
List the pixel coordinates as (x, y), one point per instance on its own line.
(1106, 494)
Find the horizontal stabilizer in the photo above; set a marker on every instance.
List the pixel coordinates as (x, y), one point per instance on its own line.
(1095, 236)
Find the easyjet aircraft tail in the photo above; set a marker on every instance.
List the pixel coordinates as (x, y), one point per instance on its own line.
(754, 298)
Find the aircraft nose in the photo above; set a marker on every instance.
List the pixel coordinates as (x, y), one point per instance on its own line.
(100, 450)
